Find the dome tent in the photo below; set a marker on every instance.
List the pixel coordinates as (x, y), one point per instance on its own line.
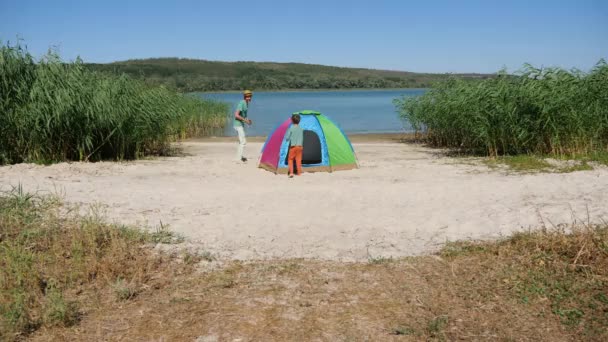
(326, 147)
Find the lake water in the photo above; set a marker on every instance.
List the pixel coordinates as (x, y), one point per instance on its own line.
(355, 111)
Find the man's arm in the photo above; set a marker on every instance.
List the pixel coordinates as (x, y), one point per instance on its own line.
(237, 115)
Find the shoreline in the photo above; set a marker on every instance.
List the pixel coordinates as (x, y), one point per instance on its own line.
(301, 90)
(354, 138)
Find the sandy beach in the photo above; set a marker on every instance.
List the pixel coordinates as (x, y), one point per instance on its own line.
(404, 200)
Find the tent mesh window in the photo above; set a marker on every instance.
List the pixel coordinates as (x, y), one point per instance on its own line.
(311, 153)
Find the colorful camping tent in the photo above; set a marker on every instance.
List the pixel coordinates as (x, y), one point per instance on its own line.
(326, 147)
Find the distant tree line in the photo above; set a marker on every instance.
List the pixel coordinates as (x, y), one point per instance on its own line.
(189, 83)
(188, 75)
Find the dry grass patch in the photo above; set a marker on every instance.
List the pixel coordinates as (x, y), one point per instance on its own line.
(536, 286)
(55, 267)
(82, 280)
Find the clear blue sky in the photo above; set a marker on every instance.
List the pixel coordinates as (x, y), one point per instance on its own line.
(423, 36)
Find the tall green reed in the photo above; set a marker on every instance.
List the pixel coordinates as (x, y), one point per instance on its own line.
(55, 111)
(545, 111)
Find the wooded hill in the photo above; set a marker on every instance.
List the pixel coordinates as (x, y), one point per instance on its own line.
(190, 75)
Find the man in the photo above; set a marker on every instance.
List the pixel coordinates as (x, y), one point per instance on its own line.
(240, 119)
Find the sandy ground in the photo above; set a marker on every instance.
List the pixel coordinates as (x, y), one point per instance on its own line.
(404, 200)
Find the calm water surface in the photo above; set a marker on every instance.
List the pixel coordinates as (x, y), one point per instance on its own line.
(355, 111)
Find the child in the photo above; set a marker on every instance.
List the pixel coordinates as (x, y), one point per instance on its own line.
(295, 136)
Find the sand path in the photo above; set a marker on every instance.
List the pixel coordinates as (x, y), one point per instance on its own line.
(405, 200)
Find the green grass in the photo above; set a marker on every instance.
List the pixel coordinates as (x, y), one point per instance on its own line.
(59, 311)
(538, 111)
(599, 157)
(583, 166)
(520, 163)
(530, 164)
(54, 111)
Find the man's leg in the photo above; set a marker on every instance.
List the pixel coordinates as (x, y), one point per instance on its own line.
(240, 153)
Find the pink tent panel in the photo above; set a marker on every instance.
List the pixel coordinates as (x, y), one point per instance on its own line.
(270, 155)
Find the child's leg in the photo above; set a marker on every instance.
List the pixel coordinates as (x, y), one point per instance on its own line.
(290, 157)
(299, 159)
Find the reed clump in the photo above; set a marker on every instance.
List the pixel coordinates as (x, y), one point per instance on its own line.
(535, 111)
(54, 111)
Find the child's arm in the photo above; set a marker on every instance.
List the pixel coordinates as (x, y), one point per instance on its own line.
(288, 135)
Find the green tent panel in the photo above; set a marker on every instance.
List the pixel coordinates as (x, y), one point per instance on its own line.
(338, 146)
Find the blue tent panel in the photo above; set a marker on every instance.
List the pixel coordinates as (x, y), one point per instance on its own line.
(310, 123)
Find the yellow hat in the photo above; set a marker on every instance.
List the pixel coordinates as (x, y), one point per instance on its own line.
(247, 92)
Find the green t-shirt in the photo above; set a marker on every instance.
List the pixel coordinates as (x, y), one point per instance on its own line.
(242, 108)
(295, 135)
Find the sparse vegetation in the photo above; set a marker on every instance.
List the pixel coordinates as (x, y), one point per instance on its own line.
(55, 111)
(436, 326)
(379, 260)
(403, 330)
(124, 290)
(162, 234)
